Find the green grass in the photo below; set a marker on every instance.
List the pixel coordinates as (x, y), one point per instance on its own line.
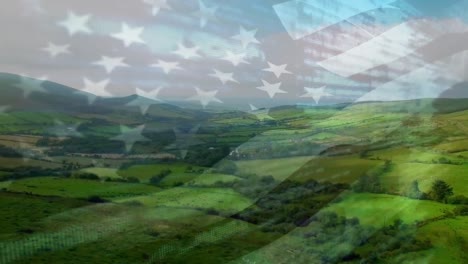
(21, 212)
(5, 184)
(103, 172)
(400, 178)
(339, 169)
(145, 172)
(449, 238)
(18, 162)
(454, 146)
(380, 209)
(278, 168)
(221, 199)
(78, 188)
(407, 154)
(207, 179)
(32, 122)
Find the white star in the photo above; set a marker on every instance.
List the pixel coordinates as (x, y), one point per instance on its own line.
(246, 37)
(235, 59)
(277, 70)
(76, 24)
(260, 114)
(187, 53)
(130, 35)
(185, 139)
(145, 99)
(4, 109)
(110, 63)
(55, 50)
(63, 130)
(95, 89)
(224, 77)
(315, 93)
(157, 5)
(153, 95)
(130, 136)
(206, 13)
(30, 85)
(167, 66)
(271, 89)
(205, 97)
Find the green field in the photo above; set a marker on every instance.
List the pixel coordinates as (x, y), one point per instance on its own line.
(450, 239)
(103, 172)
(18, 162)
(279, 168)
(341, 169)
(380, 209)
(400, 178)
(207, 179)
(340, 180)
(221, 199)
(145, 172)
(78, 188)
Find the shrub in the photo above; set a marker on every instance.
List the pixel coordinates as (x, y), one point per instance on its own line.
(458, 199)
(96, 199)
(461, 210)
(440, 191)
(212, 211)
(132, 179)
(85, 176)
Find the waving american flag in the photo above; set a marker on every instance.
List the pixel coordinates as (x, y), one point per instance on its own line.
(207, 54)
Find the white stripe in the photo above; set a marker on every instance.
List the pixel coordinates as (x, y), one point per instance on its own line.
(400, 41)
(304, 17)
(426, 82)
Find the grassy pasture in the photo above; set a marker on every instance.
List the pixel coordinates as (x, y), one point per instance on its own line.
(21, 212)
(103, 172)
(207, 179)
(32, 122)
(449, 238)
(407, 154)
(453, 146)
(145, 172)
(18, 162)
(280, 168)
(379, 210)
(222, 199)
(401, 176)
(78, 188)
(339, 169)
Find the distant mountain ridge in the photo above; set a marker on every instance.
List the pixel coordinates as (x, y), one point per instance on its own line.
(61, 98)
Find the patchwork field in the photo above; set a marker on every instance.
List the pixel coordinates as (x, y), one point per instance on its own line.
(400, 178)
(222, 199)
(77, 188)
(215, 207)
(179, 172)
(279, 168)
(379, 210)
(340, 169)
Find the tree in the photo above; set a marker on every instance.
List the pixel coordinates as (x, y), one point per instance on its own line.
(227, 167)
(440, 191)
(160, 176)
(368, 183)
(414, 192)
(132, 179)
